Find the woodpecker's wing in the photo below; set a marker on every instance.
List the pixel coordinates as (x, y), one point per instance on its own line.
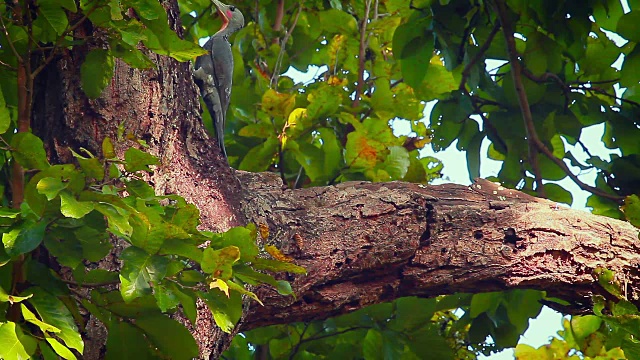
(211, 78)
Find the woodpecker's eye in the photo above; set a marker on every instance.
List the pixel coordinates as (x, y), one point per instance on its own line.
(232, 8)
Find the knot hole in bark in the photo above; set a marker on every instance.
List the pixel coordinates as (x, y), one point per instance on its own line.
(425, 238)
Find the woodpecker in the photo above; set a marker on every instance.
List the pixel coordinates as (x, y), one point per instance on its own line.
(213, 72)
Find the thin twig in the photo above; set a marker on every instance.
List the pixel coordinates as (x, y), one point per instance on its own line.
(276, 68)
(532, 136)
(516, 73)
(483, 49)
(600, 91)
(297, 347)
(578, 82)
(319, 337)
(198, 17)
(361, 55)
(7, 66)
(6, 34)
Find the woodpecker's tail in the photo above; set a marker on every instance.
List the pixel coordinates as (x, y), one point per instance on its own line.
(212, 100)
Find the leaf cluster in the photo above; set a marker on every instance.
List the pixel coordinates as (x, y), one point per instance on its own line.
(73, 213)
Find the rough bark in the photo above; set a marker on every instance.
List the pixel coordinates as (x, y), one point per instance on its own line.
(361, 243)
(160, 106)
(365, 243)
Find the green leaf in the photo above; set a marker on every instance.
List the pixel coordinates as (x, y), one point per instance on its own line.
(107, 149)
(523, 305)
(412, 313)
(126, 341)
(259, 158)
(96, 72)
(557, 193)
(28, 150)
(68, 4)
(139, 269)
(14, 344)
(583, 326)
(607, 279)
(277, 266)
(372, 345)
(631, 209)
(72, 208)
(52, 311)
(362, 151)
(630, 73)
(4, 297)
(485, 302)
(24, 238)
(428, 343)
(226, 311)
(54, 15)
(92, 167)
(117, 218)
(50, 187)
(5, 115)
(240, 289)
(137, 160)
(31, 317)
(397, 162)
(94, 240)
(187, 300)
(9, 213)
(629, 26)
(244, 238)
(165, 297)
(413, 43)
(148, 9)
(170, 337)
(47, 351)
(181, 248)
(149, 231)
(60, 349)
(164, 41)
(219, 262)
(64, 245)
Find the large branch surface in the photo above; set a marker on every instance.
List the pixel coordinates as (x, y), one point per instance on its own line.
(365, 243)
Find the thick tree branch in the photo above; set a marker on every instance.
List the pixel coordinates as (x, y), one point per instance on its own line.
(365, 243)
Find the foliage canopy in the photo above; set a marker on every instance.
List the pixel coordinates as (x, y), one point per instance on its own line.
(376, 62)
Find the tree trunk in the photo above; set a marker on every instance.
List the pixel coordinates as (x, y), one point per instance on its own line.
(361, 243)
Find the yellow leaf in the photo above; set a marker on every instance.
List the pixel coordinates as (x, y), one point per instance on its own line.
(336, 81)
(220, 284)
(264, 230)
(277, 254)
(295, 123)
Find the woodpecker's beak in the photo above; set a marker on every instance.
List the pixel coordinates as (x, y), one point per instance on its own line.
(224, 12)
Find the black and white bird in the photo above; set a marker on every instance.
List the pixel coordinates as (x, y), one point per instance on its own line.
(213, 71)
